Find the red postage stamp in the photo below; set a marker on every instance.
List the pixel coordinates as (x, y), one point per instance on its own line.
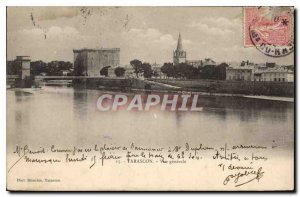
(272, 24)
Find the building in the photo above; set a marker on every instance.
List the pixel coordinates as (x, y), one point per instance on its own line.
(258, 73)
(157, 70)
(270, 65)
(290, 76)
(24, 65)
(89, 62)
(65, 72)
(279, 75)
(273, 72)
(201, 63)
(179, 55)
(195, 63)
(240, 73)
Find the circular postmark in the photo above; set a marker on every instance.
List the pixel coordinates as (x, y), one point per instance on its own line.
(270, 31)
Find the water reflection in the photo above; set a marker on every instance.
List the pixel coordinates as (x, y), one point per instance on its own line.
(80, 103)
(63, 115)
(247, 109)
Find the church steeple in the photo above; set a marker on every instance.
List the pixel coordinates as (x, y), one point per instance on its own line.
(179, 55)
(179, 43)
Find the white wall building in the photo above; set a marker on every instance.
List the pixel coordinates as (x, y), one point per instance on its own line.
(256, 73)
(278, 75)
(239, 73)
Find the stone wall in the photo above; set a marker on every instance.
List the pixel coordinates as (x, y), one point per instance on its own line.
(89, 62)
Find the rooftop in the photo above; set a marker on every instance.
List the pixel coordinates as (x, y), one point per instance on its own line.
(96, 49)
(179, 44)
(23, 57)
(240, 67)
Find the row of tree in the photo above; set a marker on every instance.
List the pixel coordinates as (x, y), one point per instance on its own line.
(187, 71)
(142, 69)
(182, 70)
(119, 71)
(53, 68)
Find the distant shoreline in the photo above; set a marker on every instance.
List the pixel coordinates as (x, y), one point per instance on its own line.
(262, 97)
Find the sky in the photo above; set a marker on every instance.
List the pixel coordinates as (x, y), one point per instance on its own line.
(146, 33)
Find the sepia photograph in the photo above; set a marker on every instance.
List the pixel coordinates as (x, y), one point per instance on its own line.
(150, 98)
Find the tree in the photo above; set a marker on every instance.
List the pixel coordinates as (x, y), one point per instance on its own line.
(168, 69)
(155, 73)
(184, 70)
(137, 66)
(62, 65)
(38, 67)
(53, 69)
(214, 72)
(104, 71)
(220, 72)
(13, 68)
(119, 71)
(147, 70)
(189, 71)
(207, 72)
(178, 71)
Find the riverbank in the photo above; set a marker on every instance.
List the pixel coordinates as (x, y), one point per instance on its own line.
(251, 88)
(168, 91)
(273, 98)
(209, 87)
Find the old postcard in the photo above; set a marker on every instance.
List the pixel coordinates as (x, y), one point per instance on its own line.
(150, 99)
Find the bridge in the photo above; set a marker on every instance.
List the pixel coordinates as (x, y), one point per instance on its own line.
(73, 77)
(12, 77)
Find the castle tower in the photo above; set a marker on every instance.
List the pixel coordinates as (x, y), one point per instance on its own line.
(179, 55)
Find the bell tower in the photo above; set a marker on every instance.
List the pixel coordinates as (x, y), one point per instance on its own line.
(179, 55)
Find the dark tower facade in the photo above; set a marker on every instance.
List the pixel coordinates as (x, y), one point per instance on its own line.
(179, 55)
(89, 62)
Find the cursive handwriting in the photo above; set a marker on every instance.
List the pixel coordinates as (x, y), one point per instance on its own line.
(237, 177)
(238, 160)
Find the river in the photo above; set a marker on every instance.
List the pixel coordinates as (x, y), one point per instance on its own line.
(63, 115)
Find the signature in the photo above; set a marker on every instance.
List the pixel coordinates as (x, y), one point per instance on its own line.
(253, 174)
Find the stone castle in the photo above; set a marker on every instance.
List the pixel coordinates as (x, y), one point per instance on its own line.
(89, 62)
